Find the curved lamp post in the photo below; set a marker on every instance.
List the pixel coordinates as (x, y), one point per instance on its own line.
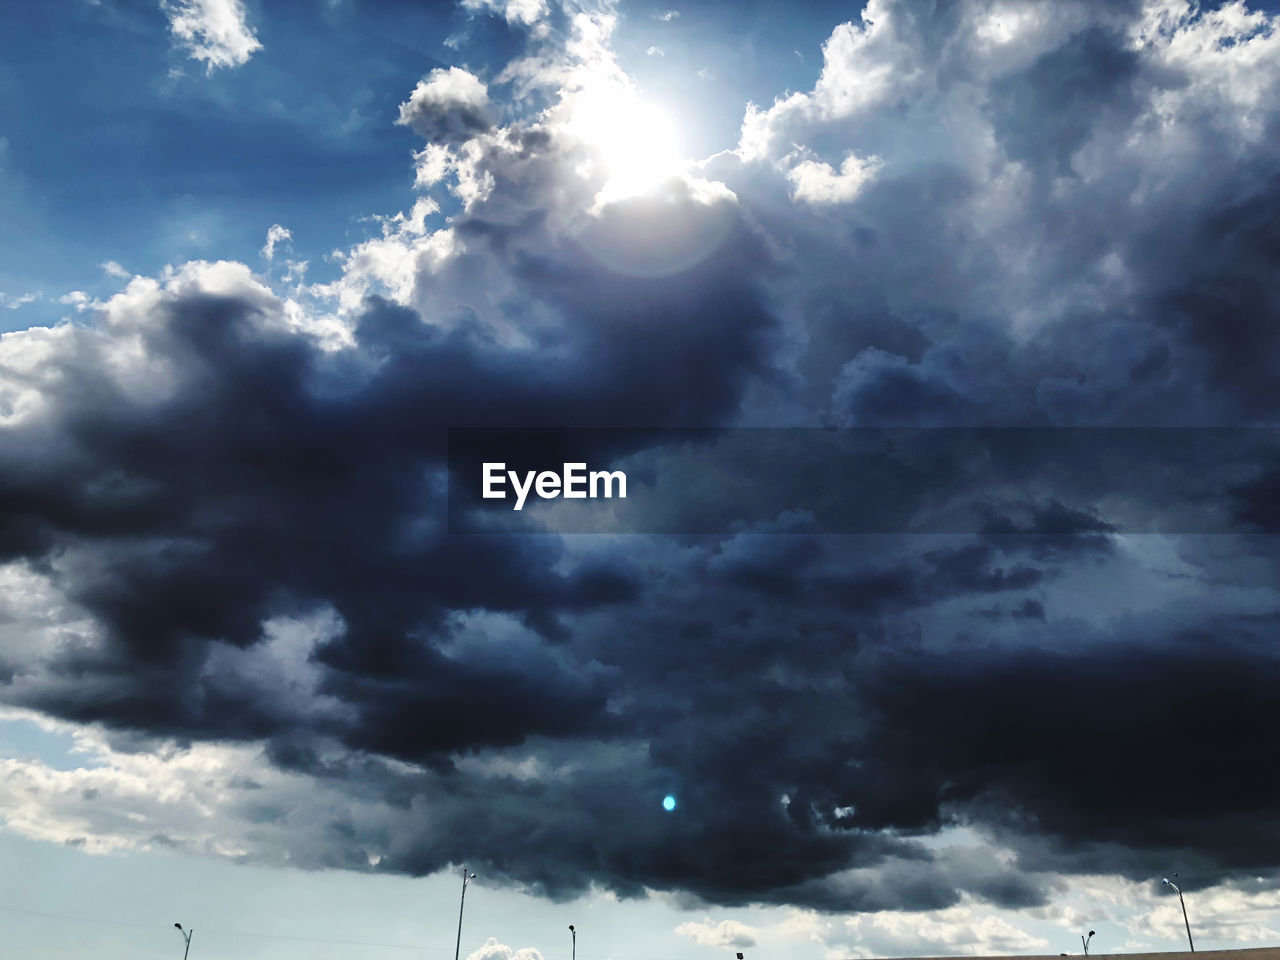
(574, 933)
(466, 878)
(1085, 940)
(186, 940)
(1187, 922)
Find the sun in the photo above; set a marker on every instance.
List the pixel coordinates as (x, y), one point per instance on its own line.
(633, 141)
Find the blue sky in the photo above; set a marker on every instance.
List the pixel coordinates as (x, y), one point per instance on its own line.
(268, 669)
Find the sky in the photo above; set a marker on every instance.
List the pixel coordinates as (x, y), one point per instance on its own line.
(935, 338)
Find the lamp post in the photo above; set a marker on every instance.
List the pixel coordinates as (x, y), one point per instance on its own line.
(466, 878)
(1187, 922)
(186, 940)
(1085, 940)
(574, 933)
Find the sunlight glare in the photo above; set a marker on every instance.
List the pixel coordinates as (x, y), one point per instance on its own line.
(635, 142)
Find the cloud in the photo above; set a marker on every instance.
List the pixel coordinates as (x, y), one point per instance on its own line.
(524, 12)
(819, 183)
(113, 269)
(726, 933)
(208, 577)
(213, 31)
(275, 234)
(493, 950)
(956, 930)
(76, 298)
(862, 66)
(1070, 223)
(1234, 914)
(449, 106)
(21, 301)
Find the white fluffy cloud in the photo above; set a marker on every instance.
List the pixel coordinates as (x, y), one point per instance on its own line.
(20, 301)
(963, 929)
(213, 31)
(863, 64)
(199, 799)
(1229, 914)
(493, 950)
(726, 933)
(276, 234)
(526, 12)
(1218, 69)
(450, 105)
(76, 298)
(1230, 54)
(819, 183)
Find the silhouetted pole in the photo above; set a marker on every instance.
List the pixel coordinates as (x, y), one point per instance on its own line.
(1085, 940)
(465, 878)
(1190, 943)
(186, 939)
(574, 933)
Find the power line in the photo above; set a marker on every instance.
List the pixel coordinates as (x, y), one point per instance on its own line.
(67, 916)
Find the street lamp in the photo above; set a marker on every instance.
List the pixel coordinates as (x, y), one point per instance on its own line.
(574, 933)
(1187, 922)
(186, 939)
(466, 878)
(1085, 940)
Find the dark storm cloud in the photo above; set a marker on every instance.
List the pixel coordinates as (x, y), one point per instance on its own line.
(1224, 307)
(821, 706)
(1123, 747)
(1257, 502)
(276, 476)
(1084, 716)
(1049, 489)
